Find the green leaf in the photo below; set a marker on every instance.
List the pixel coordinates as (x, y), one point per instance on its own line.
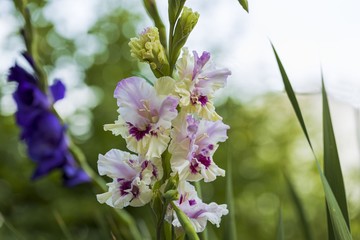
(280, 228)
(299, 208)
(185, 223)
(332, 168)
(62, 225)
(174, 10)
(244, 4)
(2, 220)
(341, 229)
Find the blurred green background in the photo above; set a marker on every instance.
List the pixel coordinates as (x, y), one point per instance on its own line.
(265, 142)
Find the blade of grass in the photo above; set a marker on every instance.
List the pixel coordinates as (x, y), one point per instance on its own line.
(332, 168)
(62, 225)
(2, 220)
(244, 4)
(340, 227)
(280, 227)
(231, 228)
(299, 208)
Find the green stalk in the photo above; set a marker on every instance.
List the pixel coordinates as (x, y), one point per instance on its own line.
(31, 46)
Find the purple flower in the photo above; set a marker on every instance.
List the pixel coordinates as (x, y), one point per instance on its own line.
(193, 145)
(197, 81)
(197, 211)
(132, 178)
(145, 116)
(41, 130)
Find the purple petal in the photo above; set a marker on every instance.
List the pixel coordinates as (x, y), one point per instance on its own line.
(57, 90)
(73, 176)
(167, 112)
(199, 63)
(20, 75)
(29, 59)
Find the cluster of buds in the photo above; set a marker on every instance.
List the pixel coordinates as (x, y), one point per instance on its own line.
(173, 129)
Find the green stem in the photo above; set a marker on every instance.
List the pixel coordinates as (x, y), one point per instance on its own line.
(167, 170)
(30, 43)
(171, 37)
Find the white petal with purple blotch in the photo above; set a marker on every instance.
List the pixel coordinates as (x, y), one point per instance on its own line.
(145, 114)
(133, 96)
(197, 80)
(132, 178)
(115, 164)
(197, 211)
(193, 145)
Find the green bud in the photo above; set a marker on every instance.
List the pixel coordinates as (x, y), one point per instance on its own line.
(171, 195)
(147, 48)
(184, 26)
(172, 183)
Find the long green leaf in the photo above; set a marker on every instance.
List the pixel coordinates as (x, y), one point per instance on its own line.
(244, 4)
(332, 168)
(280, 227)
(299, 208)
(341, 229)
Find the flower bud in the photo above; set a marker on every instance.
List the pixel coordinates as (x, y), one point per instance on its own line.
(184, 26)
(147, 48)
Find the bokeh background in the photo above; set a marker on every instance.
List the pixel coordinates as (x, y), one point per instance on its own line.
(84, 42)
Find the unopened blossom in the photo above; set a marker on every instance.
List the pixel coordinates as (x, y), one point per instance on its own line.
(41, 130)
(193, 144)
(132, 178)
(197, 80)
(197, 211)
(147, 48)
(145, 116)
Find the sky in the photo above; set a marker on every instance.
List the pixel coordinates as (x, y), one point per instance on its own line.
(309, 35)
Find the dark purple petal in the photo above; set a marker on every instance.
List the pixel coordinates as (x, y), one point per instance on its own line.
(41, 130)
(57, 90)
(192, 202)
(124, 187)
(73, 176)
(29, 59)
(20, 75)
(138, 133)
(204, 160)
(203, 100)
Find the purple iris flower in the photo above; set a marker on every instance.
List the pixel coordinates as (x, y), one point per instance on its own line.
(41, 130)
